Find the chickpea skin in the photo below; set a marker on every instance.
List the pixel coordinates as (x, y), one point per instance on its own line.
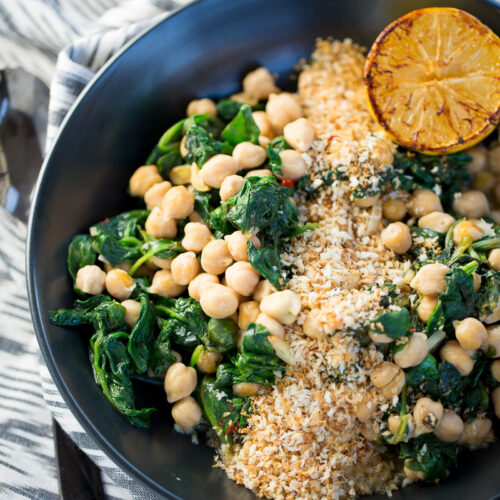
(466, 228)
(430, 279)
(218, 301)
(132, 311)
(242, 277)
(246, 389)
(237, 245)
(119, 284)
(178, 202)
(283, 306)
(154, 195)
(457, 356)
(199, 283)
(450, 427)
(472, 204)
(186, 413)
(180, 382)
(274, 326)
(396, 237)
(414, 352)
(248, 313)
(495, 370)
(262, 172)
(437, 221)
(143, 178)
(160, 226)
(477, 281)
(217, 168)
(202, 107)
(185, 268)
(263, 289)
(470, 333)
(196, 236)
(164, 285)
(90, 279)
(248, 155)
(495, 399)
(424, 202)
(207, 361)
(478, 162)
(299, 134)
(476, 432)
(426, 307)
(293, 165)
(427, 415)
(494, 259)
(282, 109)
(493, 159)
(383, 374)
(259, 83)
(394, 209)
(215, 257)
(231, 186)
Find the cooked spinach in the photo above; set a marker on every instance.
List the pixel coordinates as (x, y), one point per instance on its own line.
(394, 324)
(488, 295)
(425, 374)
(161, 356)
(200, 145)
(204, 202)
(227, 109)
(273, 149)
(218, 221)
(267, 262)
(80, 254)
(163, 147)
(242, 128)
(221, 335)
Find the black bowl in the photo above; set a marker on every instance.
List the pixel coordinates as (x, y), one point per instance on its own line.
(201, 50)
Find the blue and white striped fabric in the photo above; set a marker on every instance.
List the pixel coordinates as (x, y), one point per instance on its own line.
(63, 43)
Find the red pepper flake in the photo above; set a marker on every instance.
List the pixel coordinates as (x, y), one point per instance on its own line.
(331, 137)
(412, 329)
(287, 183)
(230, 408)
(229, 429)
(105, 221)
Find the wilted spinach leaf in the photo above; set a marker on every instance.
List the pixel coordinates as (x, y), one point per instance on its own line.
(80, 254)
(227, 109)
(242, 128)
(161, 354)
(267, 262)
(394, 324)
(221, 335)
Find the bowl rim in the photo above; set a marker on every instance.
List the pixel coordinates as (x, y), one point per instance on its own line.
(33, 293)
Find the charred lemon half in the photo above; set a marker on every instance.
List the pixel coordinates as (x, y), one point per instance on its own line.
(433, 80)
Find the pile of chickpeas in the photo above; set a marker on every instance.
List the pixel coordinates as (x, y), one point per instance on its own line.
(215, 272)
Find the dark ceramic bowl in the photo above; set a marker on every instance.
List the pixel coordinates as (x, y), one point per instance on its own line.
(201, 50)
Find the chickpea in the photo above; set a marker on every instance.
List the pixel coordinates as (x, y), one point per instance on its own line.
(396, 237)
(429, 279)
(180, 175)
(237, 245)
(90, 279)
(495, 214)
(274, 326)
(246, 389)
(183, 150)
(202, 107)
(493, 159)
(478, 162)
(217, 168)
(263, 289)
(262, 172)
(119, 284)
(494, 316)
(366, 201)
(186, 413)
(164, 285)
(383, 374)
(248, 313)
(231, 186)
(427, 415)
(282, 109)
(494, 259)
(495, 399)
(470, 333)
(264, 124)
(244, 98)
(394, 387)
(283, 306)
(484, 181)
(495, 370)
(450, 427)
(264, 141)
(426, 307)
(457, 356)
(365, 409)
(299, 134)
(196, 236)
(196, 217)
(218, 301)
(259, 84)
(379, 338)
(466, 228)
(154, 195)
(414, 352)
(437, 221)
(199, 283)
(414, 475)
(248, 155)
(476, 433)
(242, 277)
(132, 311)
(207, 361)
(477, 281)
(313, 326)
(394, 209)
(424, 202)
(143, 178)
(158, 225)
(215, 257)
(180, 382)
(492, 344)
(471, 204)
(157, 262)
(293, 165)
(185, 268)
(241, 298)
(178, 202)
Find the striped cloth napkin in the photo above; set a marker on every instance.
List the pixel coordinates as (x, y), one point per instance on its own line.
(63, 43)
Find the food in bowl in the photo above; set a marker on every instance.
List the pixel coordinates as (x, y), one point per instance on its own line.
(322, 301)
